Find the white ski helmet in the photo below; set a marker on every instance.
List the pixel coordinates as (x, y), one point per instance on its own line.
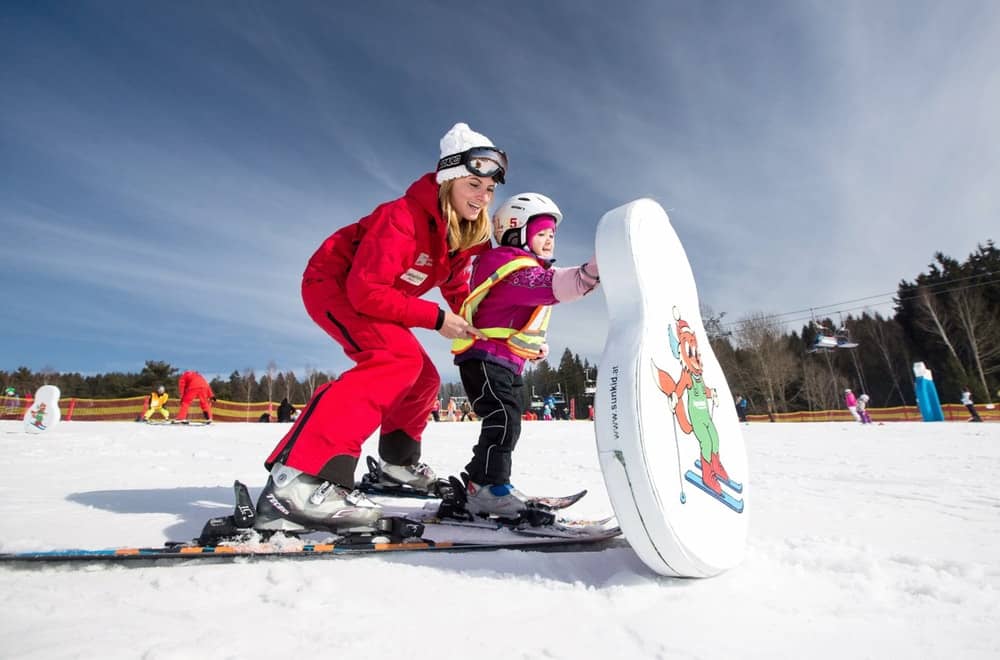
(510, 222)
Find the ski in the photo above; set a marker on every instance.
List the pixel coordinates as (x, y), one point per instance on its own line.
(547, 525)
(373, 483)
(233, 537)
(270, 550)
(735, 485)
(727, 499)
(388, 490)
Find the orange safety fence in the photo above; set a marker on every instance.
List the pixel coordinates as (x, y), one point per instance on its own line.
(953, 412)
(128, 409)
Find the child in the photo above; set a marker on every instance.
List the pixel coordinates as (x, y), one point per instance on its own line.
(863, 409)
(514, 286)
(967, 402)
(851, 402)
(158, 404)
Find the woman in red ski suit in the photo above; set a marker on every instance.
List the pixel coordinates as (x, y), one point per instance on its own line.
(190, 386)
(363, 286)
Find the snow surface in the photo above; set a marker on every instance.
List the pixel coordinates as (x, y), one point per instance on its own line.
(865, 542)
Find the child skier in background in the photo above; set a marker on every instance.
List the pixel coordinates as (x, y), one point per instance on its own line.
(863, 409)
(967, 402)
(514, 286)
(158, 403)
(851, 402)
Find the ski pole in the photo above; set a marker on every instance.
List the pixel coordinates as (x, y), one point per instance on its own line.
(677, 444)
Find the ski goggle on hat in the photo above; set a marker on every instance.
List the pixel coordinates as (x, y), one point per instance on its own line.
(481, 161)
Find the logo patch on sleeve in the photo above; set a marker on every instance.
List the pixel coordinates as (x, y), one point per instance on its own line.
(414, 277)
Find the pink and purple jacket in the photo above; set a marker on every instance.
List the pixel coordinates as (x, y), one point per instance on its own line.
(511, 301)
(850, 399)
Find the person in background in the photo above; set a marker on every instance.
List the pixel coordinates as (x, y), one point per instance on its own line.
(741, 407)
(863, 409)
(157, 404)
(364, 286)
(514, 287)
(436, 410)
(190, 386)
(967, 402)
(466, 408)
(12, 403)
(285, 410)
(851, 402)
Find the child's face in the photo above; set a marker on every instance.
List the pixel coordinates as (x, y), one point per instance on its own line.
(543, 243)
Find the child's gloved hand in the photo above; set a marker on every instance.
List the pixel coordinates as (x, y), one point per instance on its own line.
(543, 353)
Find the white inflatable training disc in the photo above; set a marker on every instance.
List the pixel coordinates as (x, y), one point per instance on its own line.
(669, 440)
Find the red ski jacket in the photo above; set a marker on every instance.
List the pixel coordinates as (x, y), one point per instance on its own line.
(384, 262)
(192, 380)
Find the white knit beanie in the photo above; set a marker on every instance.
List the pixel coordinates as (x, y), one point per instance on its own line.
(460, 138)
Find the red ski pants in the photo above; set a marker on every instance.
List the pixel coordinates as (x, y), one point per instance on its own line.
(393, 385)
(204, 396)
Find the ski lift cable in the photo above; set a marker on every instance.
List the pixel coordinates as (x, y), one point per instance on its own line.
(893, 294)
(891, 298)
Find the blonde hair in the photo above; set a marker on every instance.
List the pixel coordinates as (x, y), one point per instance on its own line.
(462, 234)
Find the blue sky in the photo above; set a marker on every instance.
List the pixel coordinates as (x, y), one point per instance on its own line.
(166, 169)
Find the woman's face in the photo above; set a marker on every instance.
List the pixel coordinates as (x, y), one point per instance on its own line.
(471, 194)
(544, 243)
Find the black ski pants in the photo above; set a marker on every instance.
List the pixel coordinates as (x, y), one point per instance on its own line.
(495, 393)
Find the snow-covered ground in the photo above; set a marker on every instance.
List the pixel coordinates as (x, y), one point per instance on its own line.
(865, 542)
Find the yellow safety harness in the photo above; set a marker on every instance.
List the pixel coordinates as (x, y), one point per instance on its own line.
(525, 342)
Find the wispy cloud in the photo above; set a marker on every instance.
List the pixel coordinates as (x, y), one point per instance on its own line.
(180, 178)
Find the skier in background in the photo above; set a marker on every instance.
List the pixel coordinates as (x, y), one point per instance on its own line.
(514, 287)
(157, 404)
(741, 407)
(863, 409)
(12, 402)
(363, 286)
(285, 410)
(967, 402)
(190, 386)
(851, 402)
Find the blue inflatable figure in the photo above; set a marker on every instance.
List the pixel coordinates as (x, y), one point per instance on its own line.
(927, 396)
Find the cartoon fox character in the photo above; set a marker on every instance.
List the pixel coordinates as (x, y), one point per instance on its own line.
(39, 415)
(696, 418)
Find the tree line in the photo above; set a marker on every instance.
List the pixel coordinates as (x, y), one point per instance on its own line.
(947, 317)
(246, 385)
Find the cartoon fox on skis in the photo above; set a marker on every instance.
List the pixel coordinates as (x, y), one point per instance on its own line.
(696, 417)
(39, 415)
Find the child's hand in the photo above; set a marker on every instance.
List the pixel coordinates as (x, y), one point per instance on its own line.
(544, 353)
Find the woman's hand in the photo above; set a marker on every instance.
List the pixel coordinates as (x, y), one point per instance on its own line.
(455, 327)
